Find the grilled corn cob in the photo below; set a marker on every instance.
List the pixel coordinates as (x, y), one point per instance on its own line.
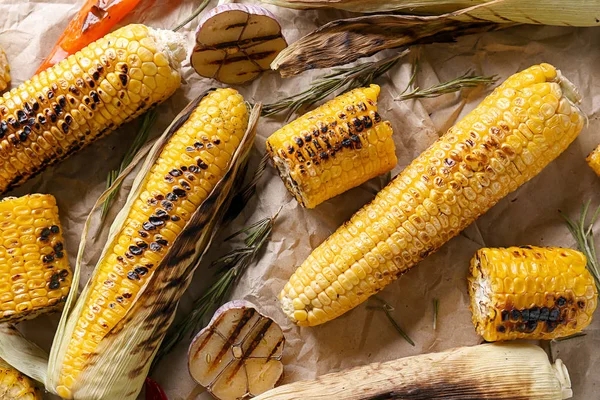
(334, 148)
(530, 293)
(593, 160)
(4, 71)
(189, 166)
(84, 97)
(505, 141)
(35, 276)
(16, 386)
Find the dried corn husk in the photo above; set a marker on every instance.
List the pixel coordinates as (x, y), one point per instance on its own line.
(489, 371)
(546, 12)
(346, 40)
(124, 356)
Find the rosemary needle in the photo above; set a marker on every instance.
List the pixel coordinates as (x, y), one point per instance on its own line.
(584, 236)
(573, 336)
(436, 306)
(343, 78)
(387, 309)
(230, 268)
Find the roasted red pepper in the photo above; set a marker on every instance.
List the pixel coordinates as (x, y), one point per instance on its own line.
(154, 391)
(95, 19)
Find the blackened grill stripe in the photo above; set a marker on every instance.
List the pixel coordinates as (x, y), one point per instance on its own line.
(247, 316)
(255, 342)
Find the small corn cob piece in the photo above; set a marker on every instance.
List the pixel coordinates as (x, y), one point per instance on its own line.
(593, 160)
(4, 71)
(504, 142)
(334, 148)
(35, 276)
(85, 96)
(530, 293)
(16, 386)
(186, 171)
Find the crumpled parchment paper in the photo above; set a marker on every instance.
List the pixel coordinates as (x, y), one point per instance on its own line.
(527, 216)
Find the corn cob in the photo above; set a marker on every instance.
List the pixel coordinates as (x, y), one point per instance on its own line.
(16, 386)
(505, 141)
(530, 293)
(35, 276)
(84, 97)
(187, 169)
(499, 371)
(4, 71)
(593, 160)
(334, 148)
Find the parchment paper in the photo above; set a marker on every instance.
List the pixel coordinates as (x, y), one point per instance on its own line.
(528, 216)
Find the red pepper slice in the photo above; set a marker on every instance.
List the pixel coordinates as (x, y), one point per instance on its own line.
(95, 19)
(154, 391)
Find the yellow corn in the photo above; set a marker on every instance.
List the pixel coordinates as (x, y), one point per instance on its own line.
(505, 141)
(4, 71)
(35, 276)
(16, 386)
(82, 98)
(334, 148)
(593, 160)
(530, 293)
(188, 168)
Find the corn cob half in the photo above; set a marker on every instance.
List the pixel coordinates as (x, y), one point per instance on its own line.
(593, 160)
(16, 386)
(505, 141)
(35, 276)
(188, 168)
(530, 293)
(4, 71)
(85, 96)
(334, 148)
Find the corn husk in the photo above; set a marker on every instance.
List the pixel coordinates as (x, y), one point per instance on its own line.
(546, 12)
(510, 371)
(346, 40)
(123, 358)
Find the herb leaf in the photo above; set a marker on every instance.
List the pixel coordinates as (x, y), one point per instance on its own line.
(467, 80)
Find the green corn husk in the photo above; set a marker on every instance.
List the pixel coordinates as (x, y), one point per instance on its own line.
(123, 358)
(545, 12)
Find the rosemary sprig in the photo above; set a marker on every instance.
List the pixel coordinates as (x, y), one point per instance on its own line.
(193, 15)
(573, 336)
(140, 139)
(342, 78)
(467, 80)
(584, 236)
(387, 309)
(230, 268)
(436, 307)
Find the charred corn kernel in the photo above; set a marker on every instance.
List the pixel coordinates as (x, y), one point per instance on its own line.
(464, 173)
(334, 148)
(79, 100)
(178, 175)
(16, 386)
(530, 293)
(593, 160)
(35, 276)
(4, 71)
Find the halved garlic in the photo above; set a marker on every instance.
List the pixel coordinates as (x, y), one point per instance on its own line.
(235, 43)
(238, 355)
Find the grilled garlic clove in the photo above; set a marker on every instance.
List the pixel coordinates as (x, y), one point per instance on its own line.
(238, 355)
(235, 43)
